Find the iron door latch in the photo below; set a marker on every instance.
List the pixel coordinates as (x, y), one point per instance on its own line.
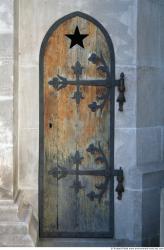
(120, 179)
(121, 89)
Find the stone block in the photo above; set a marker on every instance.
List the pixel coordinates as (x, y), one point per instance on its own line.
(12, 228)
(6, 149)
(28, 158)
(132, 178)
(6, 172)
(8, 213)
(6, 16)
(150, 92)
(125, 148)
(29, 97)
(6, 45)
(154, 179)
(150, 212)
(6, 77)
(128, 216)
(29, 42)
(31, 197)
(148, 51)
(6, 121)
(148, 145)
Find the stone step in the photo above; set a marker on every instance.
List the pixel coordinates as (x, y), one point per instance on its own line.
(18, 227)
(13, 228)
(9, 213)
(15, 240)
(17, 233)
(26, 215)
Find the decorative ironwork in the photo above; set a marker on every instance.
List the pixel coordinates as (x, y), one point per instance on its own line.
(77, 159)
(78, 71)
(95, 59)
(58, 172)
(102, 187)
(94, 106)
(60, 82)
(61, 172)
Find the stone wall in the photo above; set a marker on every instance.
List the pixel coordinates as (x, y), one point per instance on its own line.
(6, 99)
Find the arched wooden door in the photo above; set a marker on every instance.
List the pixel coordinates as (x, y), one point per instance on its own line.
(76, 129)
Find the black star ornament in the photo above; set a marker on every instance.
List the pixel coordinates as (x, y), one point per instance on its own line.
(76, 38)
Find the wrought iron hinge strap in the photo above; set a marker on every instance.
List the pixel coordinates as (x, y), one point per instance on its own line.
(59, 171)
(99, 82)
(60, 82)
(55, 82)
(62, 172)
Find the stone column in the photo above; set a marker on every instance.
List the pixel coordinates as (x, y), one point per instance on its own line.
(6, 99)
(150, 115)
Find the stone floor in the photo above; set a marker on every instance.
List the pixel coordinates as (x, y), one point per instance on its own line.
(80, 242)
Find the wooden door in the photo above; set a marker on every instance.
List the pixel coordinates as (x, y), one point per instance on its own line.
(76, 129)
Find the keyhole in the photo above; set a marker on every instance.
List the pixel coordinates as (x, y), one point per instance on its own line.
(50, 125)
